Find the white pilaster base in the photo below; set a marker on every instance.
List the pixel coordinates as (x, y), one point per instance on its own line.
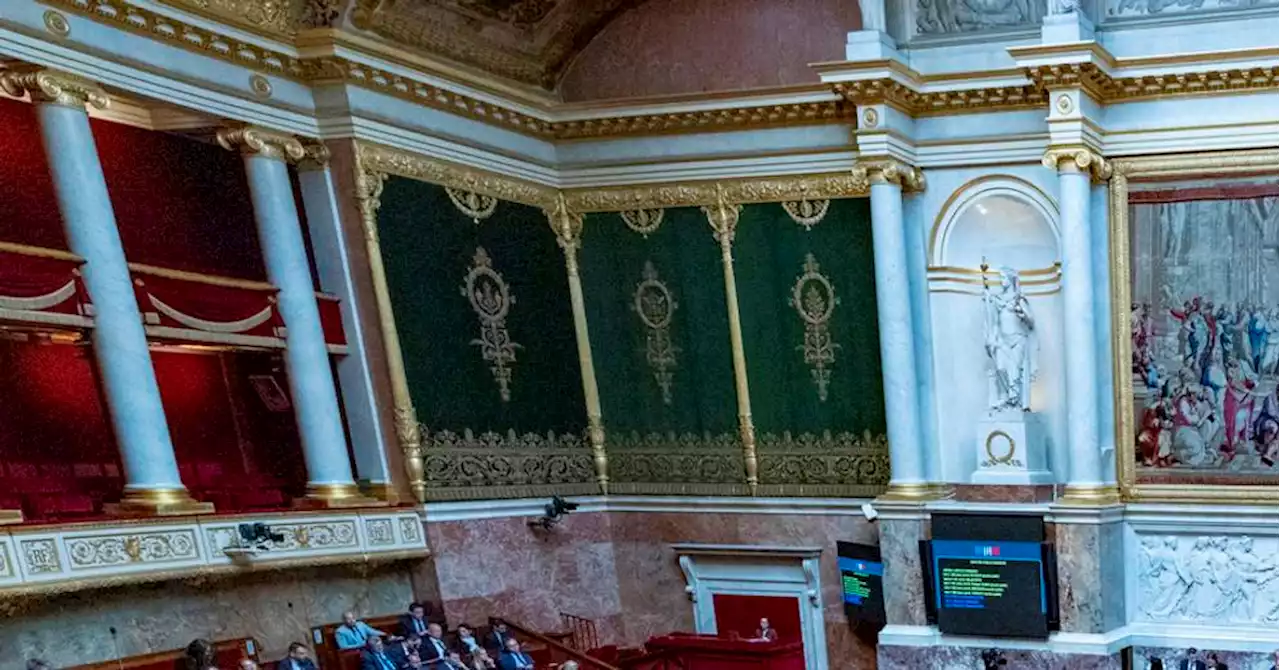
(1066, 28)
(864, 45)
(1011, 449)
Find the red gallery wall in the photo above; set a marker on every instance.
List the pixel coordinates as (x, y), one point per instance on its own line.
(741, 614)
(30, 212)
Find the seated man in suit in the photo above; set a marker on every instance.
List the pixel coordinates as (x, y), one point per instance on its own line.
(1192, 661)
(467, 643)
(353, 633)
(375, 656)
(297, 659)
(513, 658)
(434, 650)
(496, 640)
(415, 621)
(405, 649)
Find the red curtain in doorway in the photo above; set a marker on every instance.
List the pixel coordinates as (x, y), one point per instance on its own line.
(741, 614)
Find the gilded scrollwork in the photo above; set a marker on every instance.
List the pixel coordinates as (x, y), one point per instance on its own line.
(1080, 159)
(506, 465)
(491, 299)
(807, 213)
(378, 158)
(891, 171)
(655, 305)
(643, 221)
(692, 194)
(814, 299)
(254, 141)
(671, 462)
(159, 547)
(476, 206)
(825, 459)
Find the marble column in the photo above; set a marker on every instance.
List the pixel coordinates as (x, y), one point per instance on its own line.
(908, 475)
(370, 442)
(1085, 476)
(315, 402)
(152, 482)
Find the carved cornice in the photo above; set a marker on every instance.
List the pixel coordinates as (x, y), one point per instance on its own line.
(1082, 159)
(910, 101)
(254, 141)
(378, 158)
(52, 87)
(709, 120)
(888, 170)
(691, 194)
(1105, 88)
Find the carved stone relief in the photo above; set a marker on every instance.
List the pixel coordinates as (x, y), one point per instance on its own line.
(1212, 578)
(1137, 8)
(949, 17)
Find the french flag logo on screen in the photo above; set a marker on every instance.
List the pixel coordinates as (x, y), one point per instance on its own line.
(989, 550)
(862, 566)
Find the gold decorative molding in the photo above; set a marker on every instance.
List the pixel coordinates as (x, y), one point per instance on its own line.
(476, 465)
(910, 101)
(476, 206)
(277, 19)
(890, 171)
(52, 87)
(677, 464)
(369, 182)
(385, 160)
(1103, 87)
(807, 213)
(722, 214)
(742, 191)
(255, 141)
(1148, 168)
(56, 23)
(315, 156)
(824, 464)
(708, 120)
(567, 226)
(1078, 158)
(643, 221)
(154, 25)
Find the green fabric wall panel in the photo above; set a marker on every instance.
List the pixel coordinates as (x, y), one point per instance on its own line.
(806, 291)
(660, 341)
(492, 429)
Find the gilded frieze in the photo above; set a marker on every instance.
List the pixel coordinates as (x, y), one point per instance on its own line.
(471, 465)
(40, 557)
(380, 159)
(671, 463)
(829, 463)
(154, 547)
(768, 189)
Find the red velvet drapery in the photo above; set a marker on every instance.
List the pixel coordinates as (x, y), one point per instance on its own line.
(741, 614)
(30, 212)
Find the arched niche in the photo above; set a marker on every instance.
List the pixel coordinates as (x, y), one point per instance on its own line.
(1002, 221)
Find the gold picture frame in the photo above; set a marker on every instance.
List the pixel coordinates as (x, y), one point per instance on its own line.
(1225, 164)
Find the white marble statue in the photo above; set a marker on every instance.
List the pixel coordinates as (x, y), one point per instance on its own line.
(1010, 343)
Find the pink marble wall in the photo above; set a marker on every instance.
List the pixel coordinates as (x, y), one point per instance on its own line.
(666, 47)
(619, 569)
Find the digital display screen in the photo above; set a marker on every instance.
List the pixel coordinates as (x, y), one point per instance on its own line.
(989, 588)
(861, 578)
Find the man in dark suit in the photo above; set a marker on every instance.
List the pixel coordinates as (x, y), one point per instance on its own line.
(297, 659)
(513, 658)
(496, 640)
(415, 621)
(405, 649)
(434, 651)
(375, 656)
(1192, 661)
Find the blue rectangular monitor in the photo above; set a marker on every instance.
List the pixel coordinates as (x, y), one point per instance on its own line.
(990, 588)
(861, 579)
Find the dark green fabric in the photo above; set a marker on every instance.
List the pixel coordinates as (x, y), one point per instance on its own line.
(769, 252)
(686, 257)
(428, 246)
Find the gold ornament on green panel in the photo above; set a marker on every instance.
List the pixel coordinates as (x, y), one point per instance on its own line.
(807, 213)
(643, 221)
(477, 206)
(815, 300)
(653, 302)
(491, 299)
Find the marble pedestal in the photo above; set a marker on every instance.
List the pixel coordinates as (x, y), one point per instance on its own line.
(1011, 449)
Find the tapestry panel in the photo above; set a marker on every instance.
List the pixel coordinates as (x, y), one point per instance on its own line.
(655, 302)
(806, 291)
(481, 302)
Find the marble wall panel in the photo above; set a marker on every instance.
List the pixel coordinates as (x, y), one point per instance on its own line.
(903, 577)
(1172, 658)
(970, 658)
(1090, 565)
(275, 607)
(502, 567)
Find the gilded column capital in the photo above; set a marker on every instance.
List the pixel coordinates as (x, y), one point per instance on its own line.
(723, 217)
(52, 87)
(890, 171)
(315, 156)
(1080, 159)
(566, 224)
(255, 141)
(368, 198)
